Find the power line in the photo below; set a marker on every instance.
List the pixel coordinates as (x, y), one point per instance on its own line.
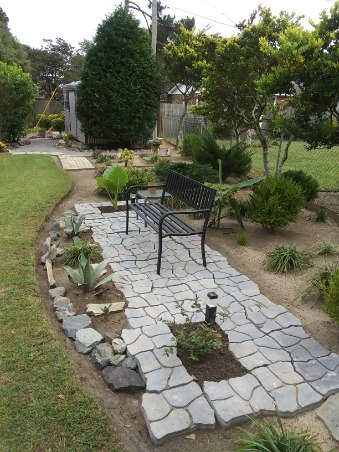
(220, 12)
(203, 17)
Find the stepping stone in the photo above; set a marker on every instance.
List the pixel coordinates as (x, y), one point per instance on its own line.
(86, 339)
(71, 325)
(122, 379)
(99, 309)
(329, 413)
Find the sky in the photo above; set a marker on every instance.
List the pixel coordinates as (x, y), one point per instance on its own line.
(75, 20)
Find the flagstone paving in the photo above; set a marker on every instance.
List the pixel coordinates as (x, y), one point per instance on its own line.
(287, 369)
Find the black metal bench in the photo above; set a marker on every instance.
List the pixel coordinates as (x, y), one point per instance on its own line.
(168, 223)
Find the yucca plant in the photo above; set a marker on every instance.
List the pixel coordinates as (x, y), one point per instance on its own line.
(74, 225)
(73, 251)
(86, 276)
(287, 257)
(274, 437)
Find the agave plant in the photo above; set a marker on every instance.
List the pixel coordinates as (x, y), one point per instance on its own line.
(86, 276)
(74, 225)
(114, 181)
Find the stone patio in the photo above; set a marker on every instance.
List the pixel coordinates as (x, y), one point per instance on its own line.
(287, 369)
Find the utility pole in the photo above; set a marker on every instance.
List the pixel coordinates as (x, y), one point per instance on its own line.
(154, 26)
(154, 46)
(126, 5)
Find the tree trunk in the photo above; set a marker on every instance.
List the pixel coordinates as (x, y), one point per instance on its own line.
(181, 121)
(265, 153)
(285, 156)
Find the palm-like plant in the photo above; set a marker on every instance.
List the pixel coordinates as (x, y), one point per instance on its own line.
(114, 181)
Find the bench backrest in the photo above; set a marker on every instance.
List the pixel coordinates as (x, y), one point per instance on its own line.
(189, 191)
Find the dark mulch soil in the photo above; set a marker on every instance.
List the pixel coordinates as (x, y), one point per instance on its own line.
(218, 365)
(109, 209)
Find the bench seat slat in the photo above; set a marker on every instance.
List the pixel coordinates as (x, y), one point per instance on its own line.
(151, 213)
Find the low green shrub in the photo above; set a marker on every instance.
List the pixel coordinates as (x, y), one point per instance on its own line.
(241, 238)
(275, 202)
(235, 161)
(73, 251)
(190, 144)
(286, 257)
(274, 437)
(196, 171)
(319, 215)
(330, 292)
(139, 176)
(102, 158)
(57, 121)
(309, 185)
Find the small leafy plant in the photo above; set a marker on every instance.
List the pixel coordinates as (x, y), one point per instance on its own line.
(319, 215)
(286, 257)
(74, 225)
(199, 342)
(73, 252)
(126, 156)
(113, 181)
(274, 437)
(330, 292)
(86, 276)
(241, 238)
(106, 309)
(3, 146)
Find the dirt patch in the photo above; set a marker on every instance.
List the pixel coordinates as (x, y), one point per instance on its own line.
(217, 365)
(123, 410)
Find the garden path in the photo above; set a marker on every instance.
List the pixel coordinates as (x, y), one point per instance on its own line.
(287, 369)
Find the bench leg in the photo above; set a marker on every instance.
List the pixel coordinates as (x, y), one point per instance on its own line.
(159, 254)
(203, 250)
(127, 217)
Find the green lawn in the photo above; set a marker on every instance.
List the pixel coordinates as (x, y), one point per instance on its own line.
(323, 164)
(34, 367)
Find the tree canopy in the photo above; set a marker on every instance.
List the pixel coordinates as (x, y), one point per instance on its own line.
(118, 93)
(17, 94)
(11, 51)
(54, 64)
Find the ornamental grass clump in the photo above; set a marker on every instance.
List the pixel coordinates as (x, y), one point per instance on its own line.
(274, 437)
(330, 293)
(286, 257)
(73, 252)
(275, 202)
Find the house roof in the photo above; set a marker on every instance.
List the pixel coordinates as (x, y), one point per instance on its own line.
(179, 88)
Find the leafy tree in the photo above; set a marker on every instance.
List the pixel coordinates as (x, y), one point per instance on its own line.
(186, 62)
(17, 94)
(118, 94)
(54, 64)
(307, 68)
(11, 51)
(231, 95)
